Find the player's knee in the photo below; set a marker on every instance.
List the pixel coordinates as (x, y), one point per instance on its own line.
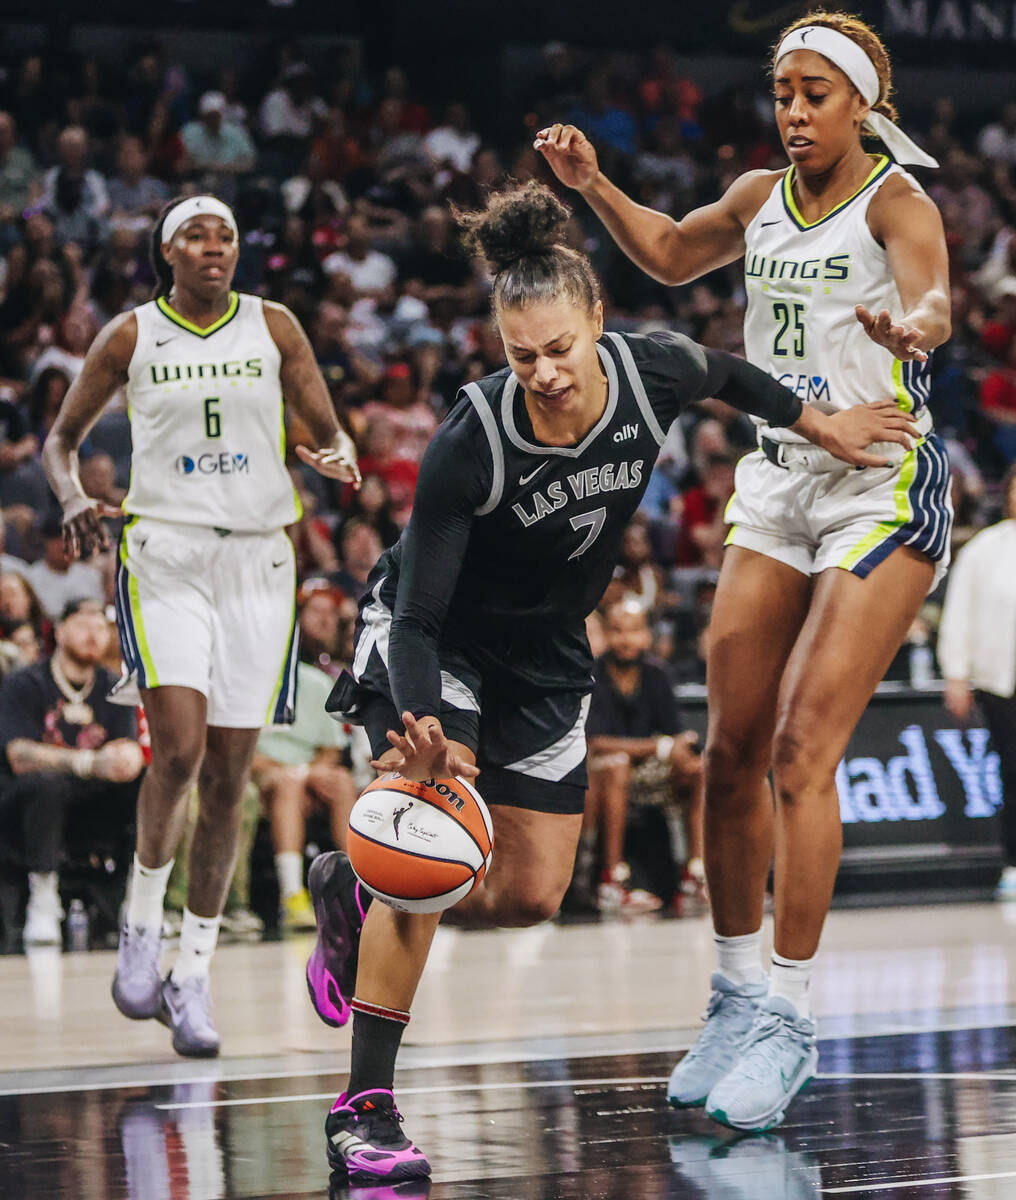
(795, 765)
(531, 908)
(732, 763)
(177, 767)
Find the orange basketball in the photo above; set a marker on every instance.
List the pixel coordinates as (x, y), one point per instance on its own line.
(420, 847)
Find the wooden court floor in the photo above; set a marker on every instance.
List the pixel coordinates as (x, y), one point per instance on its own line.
(533, 1069)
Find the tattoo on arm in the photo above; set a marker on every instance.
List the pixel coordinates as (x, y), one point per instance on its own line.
(302, 383)
(26, 756)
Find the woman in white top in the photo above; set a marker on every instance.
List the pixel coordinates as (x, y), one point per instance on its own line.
(977, 652)
(206, 574)
(847, 288)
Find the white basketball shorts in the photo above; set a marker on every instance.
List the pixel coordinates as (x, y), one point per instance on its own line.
(209, 610)
(850, 519)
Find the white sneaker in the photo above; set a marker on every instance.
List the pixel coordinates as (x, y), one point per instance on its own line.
(1005, 889)
(42, 922)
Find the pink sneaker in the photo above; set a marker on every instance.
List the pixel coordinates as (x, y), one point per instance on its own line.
(365, 1140)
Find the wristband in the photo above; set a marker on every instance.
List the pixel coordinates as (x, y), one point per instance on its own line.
(664, 746)
(84, 763)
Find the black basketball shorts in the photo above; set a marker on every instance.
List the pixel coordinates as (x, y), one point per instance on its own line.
(530, 744)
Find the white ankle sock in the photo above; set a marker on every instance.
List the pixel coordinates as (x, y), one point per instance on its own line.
(145, 895)
(198, 936)
(43, 889)
(289, 868)
(790, 980)
(739, 959)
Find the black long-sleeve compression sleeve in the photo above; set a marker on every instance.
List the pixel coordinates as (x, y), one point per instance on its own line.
(745, 387)
(453, 483)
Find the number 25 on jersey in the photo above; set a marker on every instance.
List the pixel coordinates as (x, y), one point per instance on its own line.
(789, 339)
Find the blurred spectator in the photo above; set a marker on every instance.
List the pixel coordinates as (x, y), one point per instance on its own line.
(69, 757)
(453, 144)
(321, 607)
(19, 605)
(435, 267)
(289, 115)
(977, 650)
(998, 403)
(135, 197)
(637, 756)
(703, 529)
(359, 549)
(59, 580)
(18, 172)
(997, 141)
(410, 419)
(298, 768)
(637, 578)
(399, 474)
(74, 196)
(370, 271)
(216, 150)
(373, 504)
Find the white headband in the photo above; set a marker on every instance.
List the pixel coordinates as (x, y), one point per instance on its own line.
(197, 206)
(860, 70)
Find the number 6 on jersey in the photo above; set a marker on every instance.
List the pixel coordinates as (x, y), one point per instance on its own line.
(213, 420)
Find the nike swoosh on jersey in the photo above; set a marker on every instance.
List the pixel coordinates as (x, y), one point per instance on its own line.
(766, 224)
(281, 563)
(524, 479)
(165, 340)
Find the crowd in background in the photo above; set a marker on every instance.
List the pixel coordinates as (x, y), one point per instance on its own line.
(342, 181)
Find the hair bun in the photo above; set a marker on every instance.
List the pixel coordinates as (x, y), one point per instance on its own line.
(519, 222)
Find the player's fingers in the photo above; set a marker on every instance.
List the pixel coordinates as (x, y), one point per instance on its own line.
(465, 769)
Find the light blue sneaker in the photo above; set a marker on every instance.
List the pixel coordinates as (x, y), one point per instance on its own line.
(731, 1012)
(1005, 889)
(137, 985)
(777, 1059)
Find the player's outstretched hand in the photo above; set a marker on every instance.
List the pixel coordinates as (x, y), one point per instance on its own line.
(570, 155)
(848, 434)
(83, 531)
(900, 340)
(337, 461)
(426, 752)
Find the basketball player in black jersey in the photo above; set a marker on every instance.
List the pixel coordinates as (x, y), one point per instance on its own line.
(471, 652)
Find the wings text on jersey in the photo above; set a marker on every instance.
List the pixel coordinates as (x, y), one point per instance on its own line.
(833, 269)
(251, 368)
(595, 481)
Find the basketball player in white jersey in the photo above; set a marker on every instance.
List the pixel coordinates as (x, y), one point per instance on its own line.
(827, 566)
(206, 574)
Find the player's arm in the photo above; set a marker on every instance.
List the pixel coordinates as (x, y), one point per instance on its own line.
(452, 484)
(672, 252)
(304, 388)
(104, 370)
(678, 371)
(909, 225)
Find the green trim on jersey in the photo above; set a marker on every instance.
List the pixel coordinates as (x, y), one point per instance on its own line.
(287, 652)
(904, 513)
(790, 204)
(282, 453)
(171, 314)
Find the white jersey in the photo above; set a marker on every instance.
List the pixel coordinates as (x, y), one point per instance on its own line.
(206, 419)
(803, 280)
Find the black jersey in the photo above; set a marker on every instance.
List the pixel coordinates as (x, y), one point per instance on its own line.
(512, 543)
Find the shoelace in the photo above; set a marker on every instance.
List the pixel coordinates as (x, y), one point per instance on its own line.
(764, 1049)
(713, 1033)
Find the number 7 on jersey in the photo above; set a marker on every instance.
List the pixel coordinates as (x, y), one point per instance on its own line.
(593, 521)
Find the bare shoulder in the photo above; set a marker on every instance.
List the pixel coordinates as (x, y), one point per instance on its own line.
(115, 343)
(286, 330)
(899, 203)
(749, 192)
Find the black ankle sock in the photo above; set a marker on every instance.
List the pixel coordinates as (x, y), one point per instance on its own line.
(377, 1033)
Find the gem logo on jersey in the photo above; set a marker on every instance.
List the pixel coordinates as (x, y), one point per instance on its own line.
(223, 463)
(808, 387)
